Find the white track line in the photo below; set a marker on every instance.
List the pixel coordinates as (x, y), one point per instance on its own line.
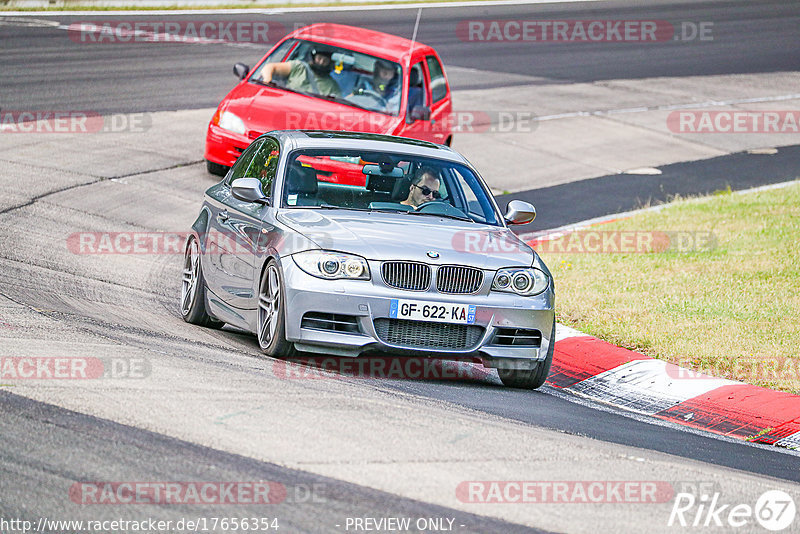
(556, 232)
(309, 9)
(670, 107)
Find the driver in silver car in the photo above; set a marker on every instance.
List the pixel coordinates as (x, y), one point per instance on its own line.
(424, 188)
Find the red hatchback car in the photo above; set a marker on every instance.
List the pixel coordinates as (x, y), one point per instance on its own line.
(334, 77)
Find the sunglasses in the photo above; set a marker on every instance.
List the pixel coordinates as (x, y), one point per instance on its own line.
(428, 191)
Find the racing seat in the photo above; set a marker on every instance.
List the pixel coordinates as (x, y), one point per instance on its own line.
(302, 181)
(399, 193)
(401, 188)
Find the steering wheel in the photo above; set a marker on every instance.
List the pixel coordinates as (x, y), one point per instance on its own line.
(372, 94)
(440, 207)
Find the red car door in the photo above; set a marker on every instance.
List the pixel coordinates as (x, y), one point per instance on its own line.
(418, 97)
(440, 105)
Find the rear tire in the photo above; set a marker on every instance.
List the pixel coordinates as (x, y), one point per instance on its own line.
(193, 288)
(271, 321)
(216, 168)
(530, 378)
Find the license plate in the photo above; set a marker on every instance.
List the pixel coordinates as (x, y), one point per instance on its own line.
(420, 310)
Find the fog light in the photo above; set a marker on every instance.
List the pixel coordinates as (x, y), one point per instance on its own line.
(353, 268)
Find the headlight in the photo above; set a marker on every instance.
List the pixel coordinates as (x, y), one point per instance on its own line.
(332, 265)
(231, 122)
(522, 281)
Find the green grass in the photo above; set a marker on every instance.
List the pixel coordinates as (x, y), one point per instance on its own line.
(731, 310)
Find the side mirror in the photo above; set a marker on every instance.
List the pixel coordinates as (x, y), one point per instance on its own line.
(249, 190)
(519, 212)
(241, 70)
(420, 113)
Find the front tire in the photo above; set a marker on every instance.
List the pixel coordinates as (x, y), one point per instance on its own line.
(271, 314)
(216, 168)
(193, 288)
(530, 378)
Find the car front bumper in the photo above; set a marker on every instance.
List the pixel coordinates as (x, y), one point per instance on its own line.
(368, 302)
(223, 146)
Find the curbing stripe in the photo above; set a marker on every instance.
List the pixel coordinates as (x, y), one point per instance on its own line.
(603, 372)
(575, 359)
(741, 411)
(646, 386)
(632, 381)
(790, 442)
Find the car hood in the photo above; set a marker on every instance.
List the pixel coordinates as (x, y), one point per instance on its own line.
(400, 236)
(265, 108)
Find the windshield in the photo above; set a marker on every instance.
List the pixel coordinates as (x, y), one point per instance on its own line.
(335, 73)
(384, 181)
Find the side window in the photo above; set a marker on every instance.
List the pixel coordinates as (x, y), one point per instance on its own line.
(438, 83)
(275, 57)
(264, 165)
(280, 53)
(477, 207)
(241, 165)
(417, 92)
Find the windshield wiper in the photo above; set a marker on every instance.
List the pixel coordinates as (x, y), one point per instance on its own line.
(282, 87)
(342, 100)
(332, 207)
(377, 210)
(456, 217)
(334, 98)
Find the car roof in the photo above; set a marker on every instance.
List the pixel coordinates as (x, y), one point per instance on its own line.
(365, 141)
(369, 42)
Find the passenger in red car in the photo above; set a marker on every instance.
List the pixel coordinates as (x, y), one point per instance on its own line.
(385, 83)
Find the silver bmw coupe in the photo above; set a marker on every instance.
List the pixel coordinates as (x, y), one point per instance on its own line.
(348, 244)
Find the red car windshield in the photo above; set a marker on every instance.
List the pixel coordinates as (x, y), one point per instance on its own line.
(343, 75)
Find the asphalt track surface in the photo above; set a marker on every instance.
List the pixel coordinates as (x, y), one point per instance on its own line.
(41, 71)
(27, 464)
(618, 193)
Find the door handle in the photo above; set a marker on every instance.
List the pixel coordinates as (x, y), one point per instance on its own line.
(222, 216)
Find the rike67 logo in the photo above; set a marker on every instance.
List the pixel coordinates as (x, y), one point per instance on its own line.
(774, 510)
